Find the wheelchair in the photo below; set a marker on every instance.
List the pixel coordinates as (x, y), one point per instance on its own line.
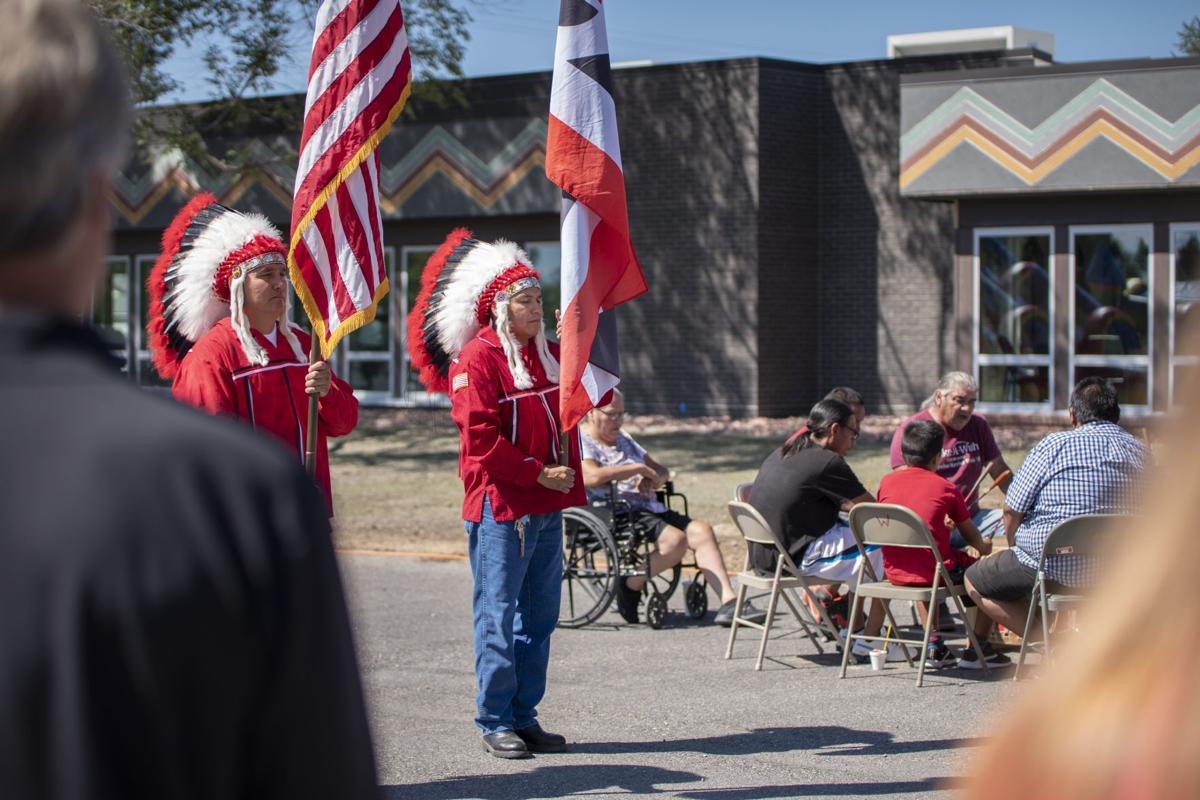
(604, 543)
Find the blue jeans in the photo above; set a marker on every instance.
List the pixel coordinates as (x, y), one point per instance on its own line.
(990, 522)
(515, 605)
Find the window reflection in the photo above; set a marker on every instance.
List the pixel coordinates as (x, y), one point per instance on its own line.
(1112, 292)
(1014, 295)
(1132, 384)
(1186, 245)
(414, 259)
(110, 309)
(1014, 384)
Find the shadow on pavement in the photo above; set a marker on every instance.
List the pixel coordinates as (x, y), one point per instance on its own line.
(547, 781)
(843, 789)
(841, 741)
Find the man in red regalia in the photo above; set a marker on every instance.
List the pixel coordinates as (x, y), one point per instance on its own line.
(219, 329)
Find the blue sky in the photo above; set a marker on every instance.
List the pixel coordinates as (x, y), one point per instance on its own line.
(518, 35)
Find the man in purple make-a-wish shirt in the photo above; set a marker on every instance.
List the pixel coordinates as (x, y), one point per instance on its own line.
(968, 450)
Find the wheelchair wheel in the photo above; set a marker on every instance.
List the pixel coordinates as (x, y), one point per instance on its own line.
(665, 583)
(696, 599)
(590, 569)
(656, 610)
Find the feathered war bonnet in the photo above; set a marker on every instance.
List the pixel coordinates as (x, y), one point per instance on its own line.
(207, 252)
(466, 284)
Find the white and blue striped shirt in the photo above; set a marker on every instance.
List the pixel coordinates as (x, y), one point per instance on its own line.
(1093, 469)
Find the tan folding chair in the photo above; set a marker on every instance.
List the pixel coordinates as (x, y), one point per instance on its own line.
(882, 524)
(1079, 537)
(755, 529)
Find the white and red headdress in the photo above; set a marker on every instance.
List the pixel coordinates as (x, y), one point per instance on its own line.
(207, 252)
(467, 284)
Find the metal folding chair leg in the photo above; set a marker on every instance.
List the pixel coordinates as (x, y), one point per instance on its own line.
(1034, 603)
(848, 645)
(766, 628)
(1045, 616)
(737, 615)
(930, 610)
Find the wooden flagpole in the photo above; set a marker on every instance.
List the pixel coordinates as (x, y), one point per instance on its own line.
(310, 445)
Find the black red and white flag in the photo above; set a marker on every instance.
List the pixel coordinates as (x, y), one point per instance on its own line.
(358, 80)
(583, 157)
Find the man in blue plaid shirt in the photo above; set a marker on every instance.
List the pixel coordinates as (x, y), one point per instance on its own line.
(1094, 468)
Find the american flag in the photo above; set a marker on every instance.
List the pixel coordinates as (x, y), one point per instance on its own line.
(358, 80)
(583, 157)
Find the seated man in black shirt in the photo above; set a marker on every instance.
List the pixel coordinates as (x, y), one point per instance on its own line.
(801, 489)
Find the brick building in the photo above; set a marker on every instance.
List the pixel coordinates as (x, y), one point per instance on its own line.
(801, 226)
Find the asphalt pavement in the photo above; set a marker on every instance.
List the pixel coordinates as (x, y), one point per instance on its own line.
(653, 713)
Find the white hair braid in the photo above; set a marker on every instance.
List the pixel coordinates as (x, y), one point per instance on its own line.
(521, 376)
(237, 294)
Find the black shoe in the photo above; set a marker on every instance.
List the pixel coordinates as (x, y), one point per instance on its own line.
(627, 602)
(539, 741)
(937, 655)
(993, 657)
(505, 744)
(750, 613)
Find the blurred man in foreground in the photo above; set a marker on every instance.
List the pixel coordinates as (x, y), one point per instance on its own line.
(171, 618)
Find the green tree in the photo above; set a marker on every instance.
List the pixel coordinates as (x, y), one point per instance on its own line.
(1189, 37)
(243, 52)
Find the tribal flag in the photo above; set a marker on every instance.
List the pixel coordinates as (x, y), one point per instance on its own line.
(358, 80)
(583, 157)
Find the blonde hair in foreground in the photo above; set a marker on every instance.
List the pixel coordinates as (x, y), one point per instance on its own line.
(1117, 717)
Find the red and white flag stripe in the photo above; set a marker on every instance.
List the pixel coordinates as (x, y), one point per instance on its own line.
(583, 157)
(358, 80)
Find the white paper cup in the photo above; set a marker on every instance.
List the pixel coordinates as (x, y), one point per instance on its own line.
(878, 659)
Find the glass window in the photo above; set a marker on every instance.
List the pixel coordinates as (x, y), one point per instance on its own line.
(1185, 304)
(1013, 323)
(1111, 288)
(147, 375)
(1112, 293)
(1014, 384)
(413, 259)
(370, 376)
(376, 336)
(111, 306)
(369, 351)
(547, 259)
(1014, 294)
(1133, 385)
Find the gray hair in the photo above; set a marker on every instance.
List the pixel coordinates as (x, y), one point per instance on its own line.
(64, 118)
(951, 380)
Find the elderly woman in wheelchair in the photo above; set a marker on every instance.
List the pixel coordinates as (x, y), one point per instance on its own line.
(620, 474)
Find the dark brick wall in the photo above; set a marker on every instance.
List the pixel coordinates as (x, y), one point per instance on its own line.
(789, 341)
(689, 144)
(886, 287)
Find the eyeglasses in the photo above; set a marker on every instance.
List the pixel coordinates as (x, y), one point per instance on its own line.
(853, 432)
(616, 416)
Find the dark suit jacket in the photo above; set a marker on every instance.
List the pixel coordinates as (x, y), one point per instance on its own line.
(172, 623)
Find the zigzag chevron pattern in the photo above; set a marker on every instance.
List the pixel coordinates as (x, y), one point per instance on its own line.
(1101, 110)
(483, 182)
(438, 152)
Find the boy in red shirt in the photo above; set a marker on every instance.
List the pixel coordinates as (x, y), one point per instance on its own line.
(918, 487)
